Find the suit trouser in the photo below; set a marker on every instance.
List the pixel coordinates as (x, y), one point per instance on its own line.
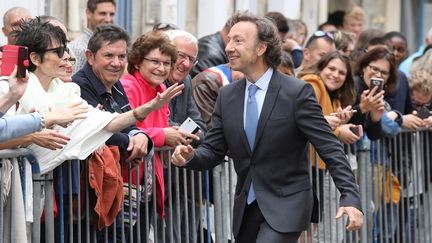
(254, 228)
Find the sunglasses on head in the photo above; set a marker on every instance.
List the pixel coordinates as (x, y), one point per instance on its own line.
(59, 50)
(165, 26)
(320, 33)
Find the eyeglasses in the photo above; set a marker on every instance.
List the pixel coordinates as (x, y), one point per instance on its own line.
(377, 70)
(72, 60)
(181, 56)
(59, 50)
(165, 26)
(156, 63)
(321, 33)
(418, 105)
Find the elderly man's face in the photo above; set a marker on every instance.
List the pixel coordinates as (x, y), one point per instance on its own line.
(12, 22)
(186, 57)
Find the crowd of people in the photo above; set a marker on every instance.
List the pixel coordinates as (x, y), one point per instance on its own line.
(99, 96)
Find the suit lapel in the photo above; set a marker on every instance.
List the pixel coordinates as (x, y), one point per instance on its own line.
(269, 102)
(239, 111)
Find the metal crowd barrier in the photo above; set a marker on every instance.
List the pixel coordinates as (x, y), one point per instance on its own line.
(394, 178)
(393, 174)
(8, 167)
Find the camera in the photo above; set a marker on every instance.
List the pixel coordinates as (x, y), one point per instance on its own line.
(14, 55)
(423, 113)
(378, 82)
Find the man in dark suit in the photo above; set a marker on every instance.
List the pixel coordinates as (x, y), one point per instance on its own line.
(274, 199)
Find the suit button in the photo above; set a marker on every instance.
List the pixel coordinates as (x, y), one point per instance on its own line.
(245, 193)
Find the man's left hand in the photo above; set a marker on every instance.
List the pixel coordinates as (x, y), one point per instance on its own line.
(137, 148)
(355, 217)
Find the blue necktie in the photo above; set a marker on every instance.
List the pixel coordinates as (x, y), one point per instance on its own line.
(250, 128)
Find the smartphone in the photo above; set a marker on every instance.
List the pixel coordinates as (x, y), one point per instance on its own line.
(357, 130)
(14, 55)
(189, 126)
(379, 82)
(423, 113)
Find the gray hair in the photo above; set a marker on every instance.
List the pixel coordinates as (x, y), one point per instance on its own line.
(188, 37)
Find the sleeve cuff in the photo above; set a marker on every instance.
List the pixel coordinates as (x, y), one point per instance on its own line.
(297, 47)
(134, 132)
(150, 149)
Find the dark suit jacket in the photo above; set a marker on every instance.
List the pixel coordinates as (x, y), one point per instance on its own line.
(278, 166)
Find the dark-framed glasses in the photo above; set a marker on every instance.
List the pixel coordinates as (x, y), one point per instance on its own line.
(72, 60)
(418, 105)
(377, 70)
(59, 50)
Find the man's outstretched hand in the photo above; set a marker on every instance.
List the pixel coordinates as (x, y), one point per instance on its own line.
(182, 154)
(354, 215)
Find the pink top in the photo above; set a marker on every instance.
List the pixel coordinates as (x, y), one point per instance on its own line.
(140, 92)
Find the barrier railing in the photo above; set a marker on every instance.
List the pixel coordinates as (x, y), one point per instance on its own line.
(394, 177)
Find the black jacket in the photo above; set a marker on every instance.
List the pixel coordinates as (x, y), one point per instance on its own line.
(211, 52)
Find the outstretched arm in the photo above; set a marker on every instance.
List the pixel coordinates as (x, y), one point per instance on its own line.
(140, 113)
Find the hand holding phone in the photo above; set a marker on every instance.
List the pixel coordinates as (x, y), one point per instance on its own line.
(423, 113)
(377, 82)
(189, 126)
(14, 56)
(357, 130)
